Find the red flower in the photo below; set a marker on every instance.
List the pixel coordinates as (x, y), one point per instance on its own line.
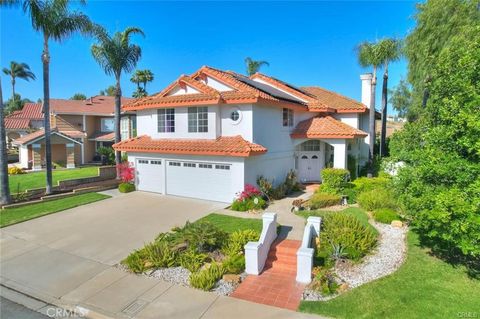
(127, 172)
(248, 192)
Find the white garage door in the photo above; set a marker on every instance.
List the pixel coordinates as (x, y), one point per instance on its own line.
(200, 180)
(150, 175)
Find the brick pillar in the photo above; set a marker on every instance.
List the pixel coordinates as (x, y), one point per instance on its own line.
(36, 156)
(70, 147)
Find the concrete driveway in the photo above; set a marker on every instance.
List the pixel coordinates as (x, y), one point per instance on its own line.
(67, 259)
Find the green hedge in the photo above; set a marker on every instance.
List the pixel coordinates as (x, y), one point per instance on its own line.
(126, 187)
(334, 180)
(321, 200)
(385, 215)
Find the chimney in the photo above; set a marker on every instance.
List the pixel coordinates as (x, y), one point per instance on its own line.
(366, 88)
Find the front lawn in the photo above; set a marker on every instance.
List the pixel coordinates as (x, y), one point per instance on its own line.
(230, 224)
(22, 182)
(423, 287)
(12, 216)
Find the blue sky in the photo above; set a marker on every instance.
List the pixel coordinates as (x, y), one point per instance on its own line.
(306, 43)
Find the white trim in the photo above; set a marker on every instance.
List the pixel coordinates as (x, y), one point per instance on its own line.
(57, 133)
(82, 150)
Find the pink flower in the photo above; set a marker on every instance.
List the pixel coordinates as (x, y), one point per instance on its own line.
(127, 172)
(248, 192)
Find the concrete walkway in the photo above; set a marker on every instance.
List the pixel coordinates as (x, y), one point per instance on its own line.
(67, 259)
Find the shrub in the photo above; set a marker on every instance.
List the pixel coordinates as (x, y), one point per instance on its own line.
(207, 278)
(281, 190)
(345, 233)
(192, 260)
(126, 187)
(321, 200)
(253, 203)
(375, 199)
(126, 171)
(324, 281)
(265, 186)
(238, 240)
(364, 184)
(234, 264)
(159, 254)
(334, 179)
(200, 236)
(15, 171)
(135, 262)
(109, 154)
(248, 192)
(385, 215)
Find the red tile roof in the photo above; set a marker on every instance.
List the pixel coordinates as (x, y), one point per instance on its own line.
(37, 134)
(325, 127)
(103, 137)
(16, 124)
(222, 146)
(96, 105)
(340, 103)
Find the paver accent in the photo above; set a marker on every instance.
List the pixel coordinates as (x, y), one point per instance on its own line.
(276, 285)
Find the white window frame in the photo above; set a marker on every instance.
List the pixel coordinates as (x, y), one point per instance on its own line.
(287, 117)
(198, 119)
(102, 124)
(166, 120)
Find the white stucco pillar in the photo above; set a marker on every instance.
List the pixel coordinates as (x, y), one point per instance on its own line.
(366, 88)
(339, 153)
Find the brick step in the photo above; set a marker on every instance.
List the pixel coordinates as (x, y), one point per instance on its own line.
(283, 266)
(284, 271)
(282, 254)
(286, 261)
(284, 249)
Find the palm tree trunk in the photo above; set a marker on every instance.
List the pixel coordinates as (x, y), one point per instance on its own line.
(46, 114)
(4, 187)
(383, 135)
(118, 104)
(13, 89)
(371, 124)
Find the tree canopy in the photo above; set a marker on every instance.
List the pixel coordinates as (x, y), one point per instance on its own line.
(253, 66)
(78, 96)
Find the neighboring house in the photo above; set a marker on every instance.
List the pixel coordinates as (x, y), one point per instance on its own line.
(79, 128)
(23, 122)
(207, 135)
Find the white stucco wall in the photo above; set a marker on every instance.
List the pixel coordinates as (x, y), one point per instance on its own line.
(181, 91)
(147, 123)
(243, 127)
(23, 156)
(351, 119)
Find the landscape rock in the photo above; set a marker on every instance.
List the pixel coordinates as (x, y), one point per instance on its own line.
(397, 224)
(232, 278)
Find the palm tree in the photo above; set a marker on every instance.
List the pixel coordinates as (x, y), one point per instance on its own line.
(369, 55)
(4, 187)
(147, 77)
(137, 78)
(18, 70)
(53, 19)
(116, 54)
(254, 66)
(390, 50)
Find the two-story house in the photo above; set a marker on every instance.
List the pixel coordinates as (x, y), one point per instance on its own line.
(79, 128)
(208, 134)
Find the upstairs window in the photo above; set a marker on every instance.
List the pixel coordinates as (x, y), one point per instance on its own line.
(287, 117)
(166, 120)
(107, 125)
(198, 119)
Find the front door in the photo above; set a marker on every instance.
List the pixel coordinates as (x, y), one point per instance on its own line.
(309, 166)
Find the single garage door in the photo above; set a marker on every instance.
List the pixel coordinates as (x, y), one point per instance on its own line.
(150, 175)
(200, 180)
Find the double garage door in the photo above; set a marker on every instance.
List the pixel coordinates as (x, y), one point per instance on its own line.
(185, 178)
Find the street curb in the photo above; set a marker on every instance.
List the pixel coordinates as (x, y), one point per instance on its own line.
(27, 300)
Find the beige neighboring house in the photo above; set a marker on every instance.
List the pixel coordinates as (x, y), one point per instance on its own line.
(79, 128)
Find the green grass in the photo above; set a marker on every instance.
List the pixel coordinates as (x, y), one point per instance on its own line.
(12, 216)
(23, 182)
(354, 211)
(230, 224)
(423, 287)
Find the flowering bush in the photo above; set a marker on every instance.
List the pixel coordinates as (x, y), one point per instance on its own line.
(249, 199)
(248, 192)
(126, 171)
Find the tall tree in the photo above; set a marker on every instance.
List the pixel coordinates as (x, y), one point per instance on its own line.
(4, 187)
(437, 21)
(109, 91)
(14, 104)
(137, 78)
(78, 96)
(116, 54)
(54, 20)
(147, 77)
(254, 66)
(20, 71)
(369, 55)
(390, 50)
(401, 99)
